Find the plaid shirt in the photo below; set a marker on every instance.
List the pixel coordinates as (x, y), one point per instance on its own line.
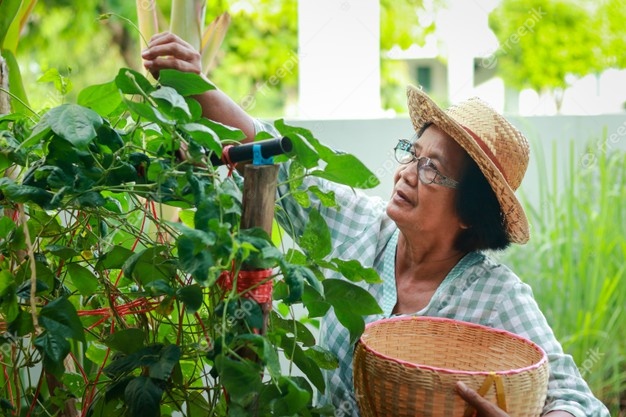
(476, 290)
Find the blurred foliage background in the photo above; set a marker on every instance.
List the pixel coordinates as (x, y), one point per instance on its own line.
(69, 36)
(577, 38)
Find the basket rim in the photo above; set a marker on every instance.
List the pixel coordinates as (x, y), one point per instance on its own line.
(541, 362)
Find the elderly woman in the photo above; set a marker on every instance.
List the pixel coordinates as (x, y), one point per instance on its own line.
(453, 197)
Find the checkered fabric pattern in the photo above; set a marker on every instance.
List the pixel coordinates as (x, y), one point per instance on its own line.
(476, 290)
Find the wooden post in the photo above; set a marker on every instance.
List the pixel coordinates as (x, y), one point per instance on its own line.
(259, 197)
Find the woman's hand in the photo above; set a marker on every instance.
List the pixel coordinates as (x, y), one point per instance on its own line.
(484, 408)
(168, 51)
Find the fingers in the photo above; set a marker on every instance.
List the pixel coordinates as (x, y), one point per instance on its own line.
(168, 51)
(169, 62)
(167, 37)
(482, 406)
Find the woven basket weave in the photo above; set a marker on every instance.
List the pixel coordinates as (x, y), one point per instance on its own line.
(408, 366)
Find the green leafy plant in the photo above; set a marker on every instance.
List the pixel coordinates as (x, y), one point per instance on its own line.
(577, 270)
(109, 307)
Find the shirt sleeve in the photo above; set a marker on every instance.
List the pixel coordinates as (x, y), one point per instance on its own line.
(519, 313)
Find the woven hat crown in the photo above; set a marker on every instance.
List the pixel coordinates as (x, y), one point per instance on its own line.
(498, 148)
(506, 145)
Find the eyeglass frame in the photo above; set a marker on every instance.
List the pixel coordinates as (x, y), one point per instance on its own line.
(423, 163)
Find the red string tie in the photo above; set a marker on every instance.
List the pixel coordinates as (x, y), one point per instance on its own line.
(250, 284)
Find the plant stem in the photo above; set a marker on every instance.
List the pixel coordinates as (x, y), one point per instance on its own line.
(33, 268)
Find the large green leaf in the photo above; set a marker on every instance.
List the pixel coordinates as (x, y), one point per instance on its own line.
(132, 82)
(344, 293)
(146, 356)
(307, 365)
(240, 378)
(295, 276)
(193, 258)
(7, 226)
(326, 198)
(204, 135)
(191, 296)
(62, 252)
(43, 224)
(350, 303)
(302, 150)
(126, 340)
(90, 199)
(143, 397)
(74, 123)
(59, 317)
(110, 138)
(315, 239)
(45, 277)
(150, 264)
(223, 131)
(168, 359)
(342, 168)
(54, 348)
(355, 271)
(25, 193)
(83, 279)
(186, 83)
(347, 169)
(314, 303)
(22, 325)
(295, 327)
(6, 280)
(101, 98)
(324, 358)
(158, 288)
(149, 112)
(114, 259)
(8, 297)
(177, 102)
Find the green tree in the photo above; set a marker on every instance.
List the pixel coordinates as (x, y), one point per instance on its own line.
(610, 18)
(544, 42)
(399, 26)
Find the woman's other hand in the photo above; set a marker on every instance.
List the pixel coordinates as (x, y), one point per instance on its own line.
(483, 407)
(168, 51)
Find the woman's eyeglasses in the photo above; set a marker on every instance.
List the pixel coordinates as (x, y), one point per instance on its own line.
(427, 173)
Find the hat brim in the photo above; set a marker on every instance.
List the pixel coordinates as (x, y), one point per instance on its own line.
(422, 110)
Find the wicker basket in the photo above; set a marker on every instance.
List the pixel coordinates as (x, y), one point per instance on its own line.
(408, 366)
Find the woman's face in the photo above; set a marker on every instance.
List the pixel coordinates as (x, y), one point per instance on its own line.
(428, 209)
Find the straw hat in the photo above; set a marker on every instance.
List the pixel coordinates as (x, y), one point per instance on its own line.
(499, 149)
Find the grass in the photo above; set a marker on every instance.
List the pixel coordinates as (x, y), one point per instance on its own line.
(575, 263)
